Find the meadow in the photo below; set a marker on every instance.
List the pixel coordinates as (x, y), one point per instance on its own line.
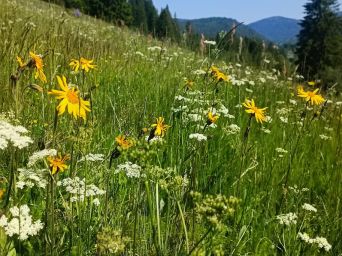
(114, 143)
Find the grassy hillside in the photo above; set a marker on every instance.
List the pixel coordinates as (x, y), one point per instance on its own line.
(155, 153)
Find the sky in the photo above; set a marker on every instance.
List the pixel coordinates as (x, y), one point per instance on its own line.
(246, 11)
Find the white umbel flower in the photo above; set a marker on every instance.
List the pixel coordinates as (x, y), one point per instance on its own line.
(21, 223)
(131, 170)
(30, 178)
(287, 219)
(14, 135)
(92, 158)
(232, 129)
(39, 155)
(198, 136)
(79, 190)
(309, 207)
(321, 242)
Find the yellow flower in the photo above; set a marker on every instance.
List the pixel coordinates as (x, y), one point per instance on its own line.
(213, 70)
(57, 163)
(70, 98)
(2, 193)
(218, 75)
(123, 142)
(74, 64)
(312, 83)
(258, 113)
(37, 62)
(212, 118)
(160, 127)
(310, 96)
(189, 84)
(221, 77)
(85, 64)
(21, 62)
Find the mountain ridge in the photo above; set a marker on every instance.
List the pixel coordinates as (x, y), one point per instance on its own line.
(212, 25)
(277, 29)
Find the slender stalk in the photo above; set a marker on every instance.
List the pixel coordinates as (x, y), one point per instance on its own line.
(184, 226)
(200, 241)
(158, 215)
(150, 208)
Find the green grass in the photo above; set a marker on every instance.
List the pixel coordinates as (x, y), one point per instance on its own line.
(157, 214)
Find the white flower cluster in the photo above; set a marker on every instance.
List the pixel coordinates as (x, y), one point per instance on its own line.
(79, 190)
(325, 137)
(92, 158)
(281, 152)
(287, 219)
(131, 170)
(265, 130)
(197, 136)
(21, 223)
(36, 156)
(320, 241)
(31, 178)
(155, 48)
(232, 129)
(13, 134)
(309, 207)
(209, 42)
(296, 190)
(155, 139)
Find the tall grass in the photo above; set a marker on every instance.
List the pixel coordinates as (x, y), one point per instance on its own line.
(226, 195)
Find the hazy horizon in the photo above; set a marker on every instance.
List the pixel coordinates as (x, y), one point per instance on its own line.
(195, 9)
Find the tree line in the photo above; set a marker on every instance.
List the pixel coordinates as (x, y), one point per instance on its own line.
(140, 14)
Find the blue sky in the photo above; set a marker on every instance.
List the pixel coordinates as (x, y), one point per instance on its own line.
(242, 10)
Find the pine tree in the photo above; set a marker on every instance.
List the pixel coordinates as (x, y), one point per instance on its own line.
(139, 15)
(319, 47)
(167, 27)
(151, 15)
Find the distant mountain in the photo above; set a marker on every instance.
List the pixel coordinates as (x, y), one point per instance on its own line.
(277, 29)
(211, 26)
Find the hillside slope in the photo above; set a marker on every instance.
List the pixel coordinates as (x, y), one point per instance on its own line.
(277, 29)
(140, 147)
(211, 26)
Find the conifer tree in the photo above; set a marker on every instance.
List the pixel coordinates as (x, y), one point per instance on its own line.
(319, 47)
(139, 14)
(151, 15)
(167, 27)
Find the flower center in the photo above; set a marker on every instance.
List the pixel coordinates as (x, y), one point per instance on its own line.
(72, 97)
(311, 94)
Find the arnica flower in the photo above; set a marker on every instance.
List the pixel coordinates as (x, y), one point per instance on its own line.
(123, 142)
(85, 64)
(160, 128)
(36, 62)
(212, 118)
(218, 75)
(21, 63)
(189, 84)
(310, 96)
(2, 193)
(71, 99)
(57, 163)
(258, 113)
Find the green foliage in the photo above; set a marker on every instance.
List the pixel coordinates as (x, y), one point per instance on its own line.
(319, 47)
(146, 207)
(167, 26)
